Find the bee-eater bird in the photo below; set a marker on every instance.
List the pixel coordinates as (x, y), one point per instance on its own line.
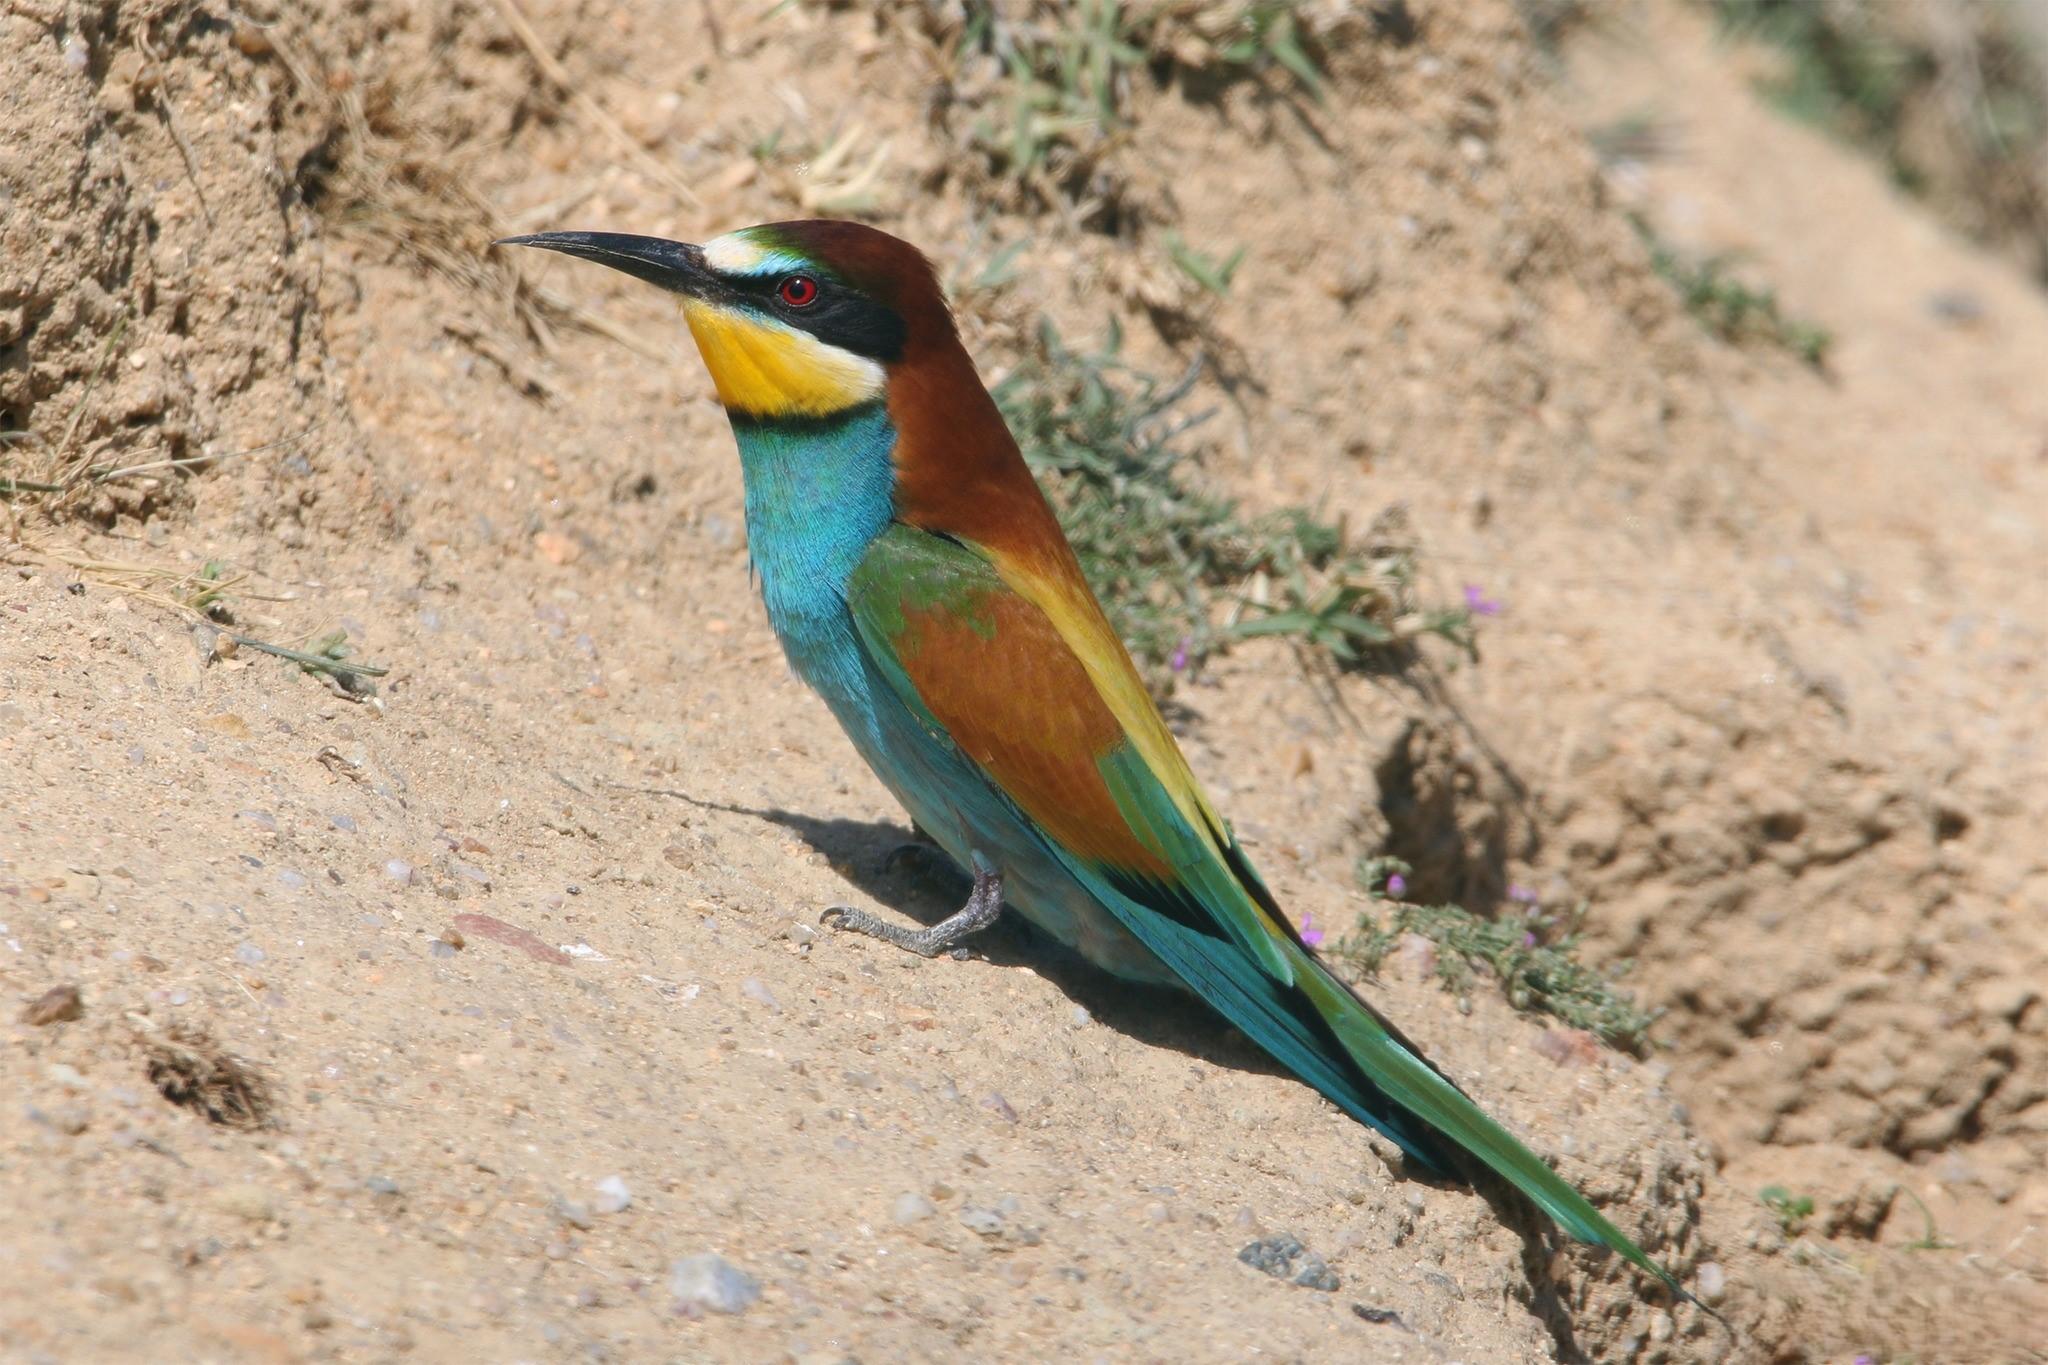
(920, 583)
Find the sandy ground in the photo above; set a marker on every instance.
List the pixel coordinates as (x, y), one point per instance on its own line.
(520, 957)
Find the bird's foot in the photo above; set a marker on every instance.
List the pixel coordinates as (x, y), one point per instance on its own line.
(984, 904)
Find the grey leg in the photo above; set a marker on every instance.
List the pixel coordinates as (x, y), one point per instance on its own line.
(984, 903)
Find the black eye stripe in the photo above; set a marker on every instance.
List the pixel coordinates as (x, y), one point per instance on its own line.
(837, 314)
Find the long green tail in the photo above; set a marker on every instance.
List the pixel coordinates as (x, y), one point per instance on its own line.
(1415, 1085)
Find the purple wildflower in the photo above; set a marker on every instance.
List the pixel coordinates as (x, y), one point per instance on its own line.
(1528, 938)
(1311, 935)
(1397, 886)
(1522, 895)
(1478, 603)
(1179, 661)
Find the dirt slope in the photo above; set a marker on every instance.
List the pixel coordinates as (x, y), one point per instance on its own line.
(1765, 687)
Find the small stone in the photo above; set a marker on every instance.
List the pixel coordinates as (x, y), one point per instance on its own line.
(576, 1215)
(557, 548)
(755, 990)
(249, 954)
(345, 823)
(1417, 956)
(68, 1119)
(250, 1202)
(251, 40)
(382, 1185)
(1273, 1255)
(67, 1075)
(612, 1195)
(802, 935)
(1315, 1274)
(982, 1222)
(1000, 1107)
(291, 880)
(1081, 1017)
(911, 1208)
(709, 1281)
(257, 819)
(1285, 1258)
(400, 871)
(1712, 1282)
(57, 1005)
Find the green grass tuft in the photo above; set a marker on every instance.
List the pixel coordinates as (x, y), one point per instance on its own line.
(1184, 572)
(1791, 1210)
(1068, 67)
(1534, 959)
(1738, 313)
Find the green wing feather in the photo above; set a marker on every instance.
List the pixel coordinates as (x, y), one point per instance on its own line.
(1187, 892)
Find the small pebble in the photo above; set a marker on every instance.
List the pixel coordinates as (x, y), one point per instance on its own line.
(345, 823)
(57, 1005)
(1712, 1281)
(246, 1201)
(911, 1208)
(984, 1222)
(250, 954)
(67, 1075)
(709, 1281)
(1285, 1258)
(576, 1215)
(399, 871)
(802, 935)
(291, 880)
(1082, 1018)
(756, 991)
(612, 1195)
(258, 819)
(1000, 1106)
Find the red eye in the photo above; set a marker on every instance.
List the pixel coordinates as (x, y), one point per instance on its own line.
(798, 291)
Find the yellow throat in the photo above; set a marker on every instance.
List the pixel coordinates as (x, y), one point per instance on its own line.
(766, 369)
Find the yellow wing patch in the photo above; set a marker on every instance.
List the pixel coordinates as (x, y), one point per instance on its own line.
(765, 369)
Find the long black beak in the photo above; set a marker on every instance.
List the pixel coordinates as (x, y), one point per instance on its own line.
(675, 266)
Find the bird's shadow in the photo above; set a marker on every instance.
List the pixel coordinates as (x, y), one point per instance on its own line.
(928, 887)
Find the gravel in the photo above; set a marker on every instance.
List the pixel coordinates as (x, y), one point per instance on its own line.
(1285, 1258)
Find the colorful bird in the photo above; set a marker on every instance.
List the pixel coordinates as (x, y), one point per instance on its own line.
(921, 584)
